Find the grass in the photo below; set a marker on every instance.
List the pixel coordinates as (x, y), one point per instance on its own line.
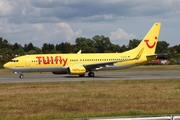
(29, 101)
(89, 99)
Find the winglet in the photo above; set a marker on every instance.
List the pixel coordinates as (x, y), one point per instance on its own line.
(79, 52)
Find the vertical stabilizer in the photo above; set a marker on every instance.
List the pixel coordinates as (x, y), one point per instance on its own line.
(149, 42)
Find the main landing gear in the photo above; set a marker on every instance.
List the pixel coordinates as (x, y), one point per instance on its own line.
(91, 74)
(81, 75)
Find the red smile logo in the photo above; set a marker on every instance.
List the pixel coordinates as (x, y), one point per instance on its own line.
(150, 46)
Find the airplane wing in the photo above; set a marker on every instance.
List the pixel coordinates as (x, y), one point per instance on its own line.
(101, 64)
(104, 64)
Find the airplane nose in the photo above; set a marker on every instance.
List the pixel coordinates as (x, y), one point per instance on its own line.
(5, 65)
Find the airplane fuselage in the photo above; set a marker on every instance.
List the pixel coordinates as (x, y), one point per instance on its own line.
(60, 62)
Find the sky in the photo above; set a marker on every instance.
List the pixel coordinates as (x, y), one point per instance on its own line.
(57, 21)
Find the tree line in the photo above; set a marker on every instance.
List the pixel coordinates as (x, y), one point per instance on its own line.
(97, 44)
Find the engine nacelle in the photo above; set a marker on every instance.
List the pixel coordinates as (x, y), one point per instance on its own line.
(76, 70)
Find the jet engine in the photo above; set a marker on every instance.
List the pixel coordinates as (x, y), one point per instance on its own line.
(76, 70)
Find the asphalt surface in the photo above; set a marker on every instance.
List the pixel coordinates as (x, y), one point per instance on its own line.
(152, 75)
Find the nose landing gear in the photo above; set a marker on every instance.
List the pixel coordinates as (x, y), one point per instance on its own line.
(21, 76)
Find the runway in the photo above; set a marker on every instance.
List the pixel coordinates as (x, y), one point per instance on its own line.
(103, 75)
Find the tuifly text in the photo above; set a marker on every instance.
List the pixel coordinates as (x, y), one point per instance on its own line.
(46, 60)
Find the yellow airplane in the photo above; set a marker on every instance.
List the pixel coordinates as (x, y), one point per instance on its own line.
(79, 64)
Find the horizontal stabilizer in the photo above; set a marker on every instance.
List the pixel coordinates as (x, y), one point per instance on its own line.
(153, 55)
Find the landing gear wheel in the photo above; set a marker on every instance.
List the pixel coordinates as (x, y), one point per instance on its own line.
(91, 74)
(81, 75)
(21, 76)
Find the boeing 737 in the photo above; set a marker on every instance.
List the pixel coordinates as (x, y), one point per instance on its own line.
(81, 63)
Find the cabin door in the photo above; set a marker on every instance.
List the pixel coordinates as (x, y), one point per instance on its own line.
(27, 62)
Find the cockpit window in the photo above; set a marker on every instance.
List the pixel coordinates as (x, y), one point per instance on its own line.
(14, 60)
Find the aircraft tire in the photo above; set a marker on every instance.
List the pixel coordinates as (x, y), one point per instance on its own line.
(81, 75)
(91, 74)
(21, 76)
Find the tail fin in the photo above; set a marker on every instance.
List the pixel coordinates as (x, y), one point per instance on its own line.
(149, 42)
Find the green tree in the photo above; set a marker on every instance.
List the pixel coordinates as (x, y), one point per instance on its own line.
(48, 48)
(162, 47)
(133, 43)
(64, 47)
(45, 48)
(16, 46)
(85, 44)
(28, 47)
(18, 49)
(35, 51)
(5, 47)
(174, 52)
(38, 50)
(123, 48)
(102, 44)
(25, 47)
